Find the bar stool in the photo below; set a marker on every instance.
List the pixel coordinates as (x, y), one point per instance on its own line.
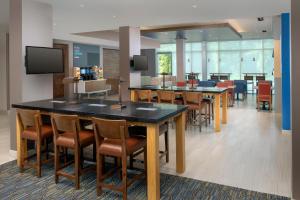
(32, 128)
(112, 139)
(142, 131)
(68, 135)
(195, 104)
(144, 95)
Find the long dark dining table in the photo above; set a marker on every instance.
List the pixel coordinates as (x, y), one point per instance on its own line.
(218, 93)
(150, 115)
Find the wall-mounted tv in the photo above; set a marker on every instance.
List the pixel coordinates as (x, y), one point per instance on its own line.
(140, 63)
(43, 60)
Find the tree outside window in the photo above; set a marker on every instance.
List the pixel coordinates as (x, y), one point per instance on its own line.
(165, 63)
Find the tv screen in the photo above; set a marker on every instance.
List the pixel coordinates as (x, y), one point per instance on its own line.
(42, 60)
(140, 63)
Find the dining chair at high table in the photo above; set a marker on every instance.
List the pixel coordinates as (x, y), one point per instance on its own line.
(264, 94)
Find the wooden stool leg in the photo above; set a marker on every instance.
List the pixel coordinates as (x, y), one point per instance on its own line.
(94, 151)
(166, 146)
(124, 177)
(23, 153)
(77, 166)
(209, 113)
(38, 158)
(99, 173)
(56, 162)
(145, 161)
(212, 111)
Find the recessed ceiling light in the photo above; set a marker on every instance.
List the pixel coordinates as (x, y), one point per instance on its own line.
(194, 6)
(54, 24)
(82, 5)
(114, 16)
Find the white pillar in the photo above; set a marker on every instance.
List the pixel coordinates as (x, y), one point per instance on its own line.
(130, 45)
(30, 25)
(180, 59)
(204, 61)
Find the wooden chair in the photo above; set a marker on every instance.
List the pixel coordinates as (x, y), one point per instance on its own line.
(230, 96)
(195, 104)
(68, 135)
(144, 95)
(112, 139)
(165, 96)
(32, 128)
(264, 94)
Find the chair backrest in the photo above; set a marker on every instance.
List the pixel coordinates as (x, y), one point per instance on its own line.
(181, 84)
(110, 129)
(29, 118)
(192, 98)
(65, 123)
(264, 89)
(144, 95)
(240, 86)
(248, 78)
(260, 78)
(229, 82)
(222, 85)
(193, 81)
(207, 83)
(165, 96)
(267, 82)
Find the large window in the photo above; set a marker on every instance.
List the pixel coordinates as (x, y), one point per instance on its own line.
(165, 62)
(193, 57)
(235, 57)
(238, 57)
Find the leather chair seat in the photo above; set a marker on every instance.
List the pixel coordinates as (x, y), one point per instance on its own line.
(264, 97)
(66, 139)
(31, 134)
(193, 106)
(113, 147)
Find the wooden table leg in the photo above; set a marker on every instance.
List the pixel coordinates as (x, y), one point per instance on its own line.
(217, 112)
(133, 95)
(21, 144)
(153, 172)
(180, 143)
(224, 108)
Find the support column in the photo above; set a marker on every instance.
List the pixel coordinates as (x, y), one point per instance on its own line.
(204, 61)
(295, 18)
(286, 72)
(130, 45)
(31, 24)
(180, 59)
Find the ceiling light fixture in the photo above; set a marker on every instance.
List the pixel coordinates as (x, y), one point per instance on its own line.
(82, 5)
(114, 16)
(194, 6)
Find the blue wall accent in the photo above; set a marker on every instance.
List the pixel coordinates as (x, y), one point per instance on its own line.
(286, 70)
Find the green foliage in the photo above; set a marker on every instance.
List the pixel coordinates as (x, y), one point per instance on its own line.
(165, 63)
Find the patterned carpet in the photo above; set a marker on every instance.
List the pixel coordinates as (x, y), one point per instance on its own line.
(15, 185)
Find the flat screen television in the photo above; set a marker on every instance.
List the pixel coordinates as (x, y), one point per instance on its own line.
(43, 60)
(140, 63)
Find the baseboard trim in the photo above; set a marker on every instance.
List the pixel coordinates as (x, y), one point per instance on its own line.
(13, 153)
(286, 131)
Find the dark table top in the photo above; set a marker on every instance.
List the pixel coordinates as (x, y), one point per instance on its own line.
(135, 112)
(182, 89)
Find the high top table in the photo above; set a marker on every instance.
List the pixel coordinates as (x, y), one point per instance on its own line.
(212, 91)
(141, 114)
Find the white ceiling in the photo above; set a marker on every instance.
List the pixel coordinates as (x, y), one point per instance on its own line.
(75, 16)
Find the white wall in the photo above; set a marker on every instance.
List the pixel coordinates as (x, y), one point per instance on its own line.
(30, 24)
(3, 72)
(37, 24)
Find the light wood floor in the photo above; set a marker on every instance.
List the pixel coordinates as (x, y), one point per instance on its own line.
(4, 139)
(250, 152)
